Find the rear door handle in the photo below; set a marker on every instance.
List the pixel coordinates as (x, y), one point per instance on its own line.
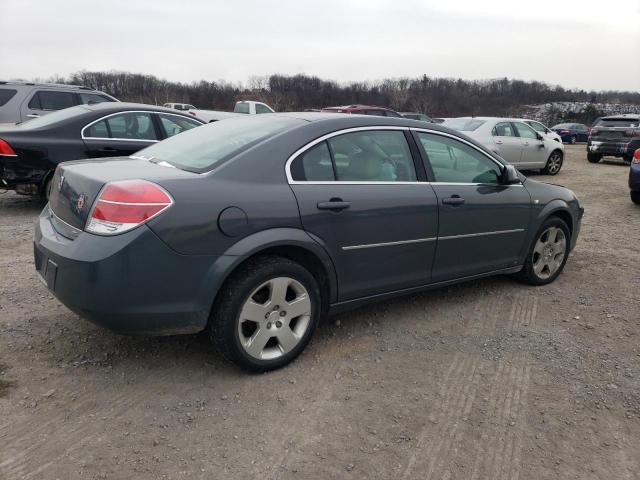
(107, 149)
(33, 115)
(334, 204)
(453, 201)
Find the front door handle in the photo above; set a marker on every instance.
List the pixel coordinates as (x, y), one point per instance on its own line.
(335, 204)
(498, 142)
(454, 201)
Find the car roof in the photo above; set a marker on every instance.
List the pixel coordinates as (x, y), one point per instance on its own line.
(118, 106)
(48, 85)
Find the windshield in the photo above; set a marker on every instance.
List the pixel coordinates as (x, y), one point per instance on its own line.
(618, 122)
(241, 107)
(54, 117)
(463, 124)
(202, 149)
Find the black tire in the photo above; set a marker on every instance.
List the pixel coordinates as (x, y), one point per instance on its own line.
(527, 274)
(573, 140)
(46, 190)
(635, 196)
(554, 163)
(627, 159)
(225, 314)
(594, 157)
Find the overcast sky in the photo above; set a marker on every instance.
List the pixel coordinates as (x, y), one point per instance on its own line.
(590, 44)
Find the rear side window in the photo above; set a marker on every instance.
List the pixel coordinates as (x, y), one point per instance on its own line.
(456, 162)
(6, 94)
(366, 156)
(241, 108)
(92, 98)
(503, 129)
(98, 130)
(48, 100)
(132, 126)
(202, 149)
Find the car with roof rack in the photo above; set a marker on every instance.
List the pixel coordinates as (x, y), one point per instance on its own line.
(22, 101)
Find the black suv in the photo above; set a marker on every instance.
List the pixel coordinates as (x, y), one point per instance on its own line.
(21, 101)
(615, 136)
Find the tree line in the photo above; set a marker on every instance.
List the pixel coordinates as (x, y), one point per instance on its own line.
(439, 97)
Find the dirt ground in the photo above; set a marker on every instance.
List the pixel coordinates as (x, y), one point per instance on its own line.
(486, 380)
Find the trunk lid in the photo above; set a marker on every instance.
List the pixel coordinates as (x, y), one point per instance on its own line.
(615, 129)
(76, 185)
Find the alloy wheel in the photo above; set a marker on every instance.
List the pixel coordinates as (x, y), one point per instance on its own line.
(554, 163)
(549, 252)
(274, 318)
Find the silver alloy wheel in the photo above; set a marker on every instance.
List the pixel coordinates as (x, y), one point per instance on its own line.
(549, 252)
(554, 163)
(274, 318)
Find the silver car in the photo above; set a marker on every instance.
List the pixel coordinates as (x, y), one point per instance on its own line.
(514, 140)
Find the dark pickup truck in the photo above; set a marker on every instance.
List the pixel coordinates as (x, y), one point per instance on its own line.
(615, 136)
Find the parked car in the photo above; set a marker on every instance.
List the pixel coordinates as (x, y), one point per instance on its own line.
(542, 129)
(572, 132)
(179, 106)
(364, 110)
(634, 177)
(210, 116)
(252, 108)
(21, 101)
(615, 136)
(254, 228)
(416, 116)
(514, 140)
(30, 151)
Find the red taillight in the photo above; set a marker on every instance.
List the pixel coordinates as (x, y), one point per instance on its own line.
(125, 204)
(5, 149)
(636, 157)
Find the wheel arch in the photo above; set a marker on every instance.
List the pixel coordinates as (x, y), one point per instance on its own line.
(292, 243)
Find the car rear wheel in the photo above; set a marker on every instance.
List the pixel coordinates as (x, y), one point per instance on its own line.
(554, 163)
(594, 157)
(266, 313)
(635, 197)
(548, 254)
(627, 159)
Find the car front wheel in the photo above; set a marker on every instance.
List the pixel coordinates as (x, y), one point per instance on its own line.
(266, 313)
(548, 254)
(594, 157)
(554, 164)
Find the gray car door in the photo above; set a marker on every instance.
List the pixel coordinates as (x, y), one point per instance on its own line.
(359, 195)
(534, 153)
(483, 223)
(507, 142)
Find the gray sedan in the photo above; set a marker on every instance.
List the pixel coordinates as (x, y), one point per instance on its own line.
(515, 141)
(254, 228)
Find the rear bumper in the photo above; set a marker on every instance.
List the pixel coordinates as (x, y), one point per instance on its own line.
(613, 149)
(130, 283)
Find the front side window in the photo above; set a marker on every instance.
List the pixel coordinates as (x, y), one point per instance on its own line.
(455, 162)
(174, 124)
(47, 100)
(131, 126)
(262, 109)
(93, 98)
(525, 131)
(503, 129)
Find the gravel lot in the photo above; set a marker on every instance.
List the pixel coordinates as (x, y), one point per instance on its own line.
(486, 380)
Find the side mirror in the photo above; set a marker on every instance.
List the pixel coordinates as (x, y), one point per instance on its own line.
(539, 135)
(510, 175)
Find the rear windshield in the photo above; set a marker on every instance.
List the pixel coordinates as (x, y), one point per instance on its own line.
(6, 94)
(204, 148)
(617, 122)
(54, 117)
(463, 124)
(241, 108)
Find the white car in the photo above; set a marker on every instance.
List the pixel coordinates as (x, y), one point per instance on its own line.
(179, 106)
(514, 140)
(242, 108)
